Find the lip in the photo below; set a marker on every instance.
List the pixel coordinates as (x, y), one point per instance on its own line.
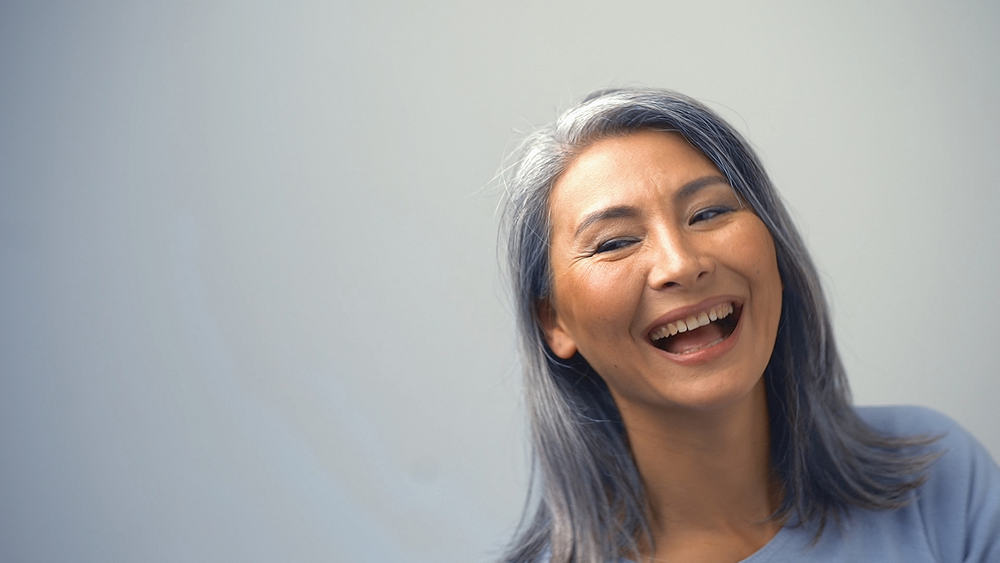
(705, 354)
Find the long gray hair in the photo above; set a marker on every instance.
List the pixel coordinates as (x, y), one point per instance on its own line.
(589, 504)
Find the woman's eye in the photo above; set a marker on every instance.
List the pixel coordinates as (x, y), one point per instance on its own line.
(710, 213)
(614, 244)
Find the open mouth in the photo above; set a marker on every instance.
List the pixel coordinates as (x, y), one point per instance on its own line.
(697, 332)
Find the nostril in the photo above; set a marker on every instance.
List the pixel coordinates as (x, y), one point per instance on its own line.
(680, 269)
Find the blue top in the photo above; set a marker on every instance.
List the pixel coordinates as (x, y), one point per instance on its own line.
(954, 518)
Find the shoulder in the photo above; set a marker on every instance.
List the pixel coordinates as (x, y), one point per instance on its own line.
(908, 420)
(962, 459)
(959, 504)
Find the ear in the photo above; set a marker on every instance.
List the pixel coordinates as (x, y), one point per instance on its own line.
(559, 341)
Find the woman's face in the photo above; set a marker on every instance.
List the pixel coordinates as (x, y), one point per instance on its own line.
(661, 279)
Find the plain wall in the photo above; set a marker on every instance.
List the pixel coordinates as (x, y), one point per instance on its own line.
(251, 302)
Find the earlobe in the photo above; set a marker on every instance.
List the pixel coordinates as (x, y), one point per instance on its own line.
(559, 341)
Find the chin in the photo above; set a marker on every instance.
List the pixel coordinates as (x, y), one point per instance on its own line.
(716, 393)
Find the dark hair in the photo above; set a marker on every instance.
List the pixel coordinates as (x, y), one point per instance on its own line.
(591, 505)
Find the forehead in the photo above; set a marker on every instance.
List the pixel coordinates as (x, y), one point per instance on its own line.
(625, 170)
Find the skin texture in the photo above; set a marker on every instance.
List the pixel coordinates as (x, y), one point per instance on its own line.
(698, 429)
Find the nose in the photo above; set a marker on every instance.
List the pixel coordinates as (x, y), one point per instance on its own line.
(679, 262)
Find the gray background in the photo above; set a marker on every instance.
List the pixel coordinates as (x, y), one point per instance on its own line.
(251, 303)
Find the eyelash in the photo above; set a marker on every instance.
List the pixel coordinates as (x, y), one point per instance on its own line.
(614, 244)
(714, 211)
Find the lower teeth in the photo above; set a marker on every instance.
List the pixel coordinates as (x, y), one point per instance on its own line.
(699, 348)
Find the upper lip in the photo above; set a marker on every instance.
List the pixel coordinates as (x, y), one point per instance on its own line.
(681, 313)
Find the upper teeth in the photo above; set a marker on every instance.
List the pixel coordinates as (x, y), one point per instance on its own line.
(694, 321)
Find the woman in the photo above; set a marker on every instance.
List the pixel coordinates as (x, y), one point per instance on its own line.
(686, 397)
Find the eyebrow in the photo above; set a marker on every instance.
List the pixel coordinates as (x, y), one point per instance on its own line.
(629, 211)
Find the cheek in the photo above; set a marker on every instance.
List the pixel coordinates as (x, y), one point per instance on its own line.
(754, 249)
(597, 296)
(754, 255)
(766, 277)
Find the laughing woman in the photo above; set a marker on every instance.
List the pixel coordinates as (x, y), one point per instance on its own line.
(686, 398)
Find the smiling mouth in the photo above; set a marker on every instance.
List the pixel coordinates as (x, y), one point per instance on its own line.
(697, 332)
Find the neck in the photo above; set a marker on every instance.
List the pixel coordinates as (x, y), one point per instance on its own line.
(707, 473)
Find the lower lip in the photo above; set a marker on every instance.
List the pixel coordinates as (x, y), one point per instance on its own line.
(707, 353)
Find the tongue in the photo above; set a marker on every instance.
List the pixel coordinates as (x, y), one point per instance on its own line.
(691, 340)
